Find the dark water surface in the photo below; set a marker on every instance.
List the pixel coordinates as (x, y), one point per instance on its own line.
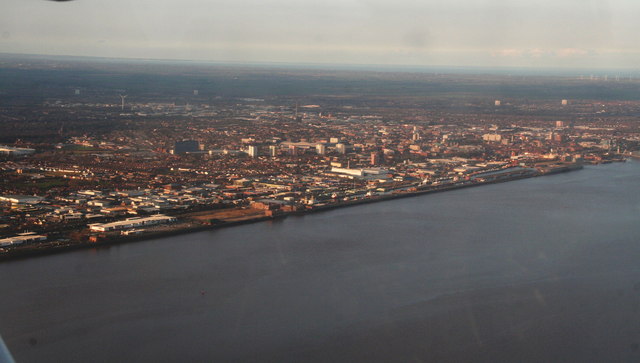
(543, 269)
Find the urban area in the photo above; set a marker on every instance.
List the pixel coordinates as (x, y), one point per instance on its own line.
(113, 168)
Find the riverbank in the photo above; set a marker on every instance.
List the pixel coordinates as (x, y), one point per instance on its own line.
(46, 249)
(542, 254)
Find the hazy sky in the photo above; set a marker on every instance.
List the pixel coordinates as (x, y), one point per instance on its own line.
(563, 33)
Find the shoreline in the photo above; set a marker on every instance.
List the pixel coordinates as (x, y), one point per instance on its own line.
(112, 241)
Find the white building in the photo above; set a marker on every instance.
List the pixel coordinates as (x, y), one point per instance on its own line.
(359, 172)
(20, 199)
(132, 223)
(347, 171)
(15, 151)
(252, 151)
(492, 137)
(21, 239)
(273, 151)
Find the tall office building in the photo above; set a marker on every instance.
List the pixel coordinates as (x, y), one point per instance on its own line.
(273, 151)
(253, 151)
(321, 149)
(375, 158)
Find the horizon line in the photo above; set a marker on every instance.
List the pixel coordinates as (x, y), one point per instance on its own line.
(370, 66)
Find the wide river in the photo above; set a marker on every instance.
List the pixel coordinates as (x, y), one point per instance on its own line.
(543, 269)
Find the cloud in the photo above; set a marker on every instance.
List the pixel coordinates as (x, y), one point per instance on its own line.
(508, 53)
(541, 53)
(538, 53)
(571, 52)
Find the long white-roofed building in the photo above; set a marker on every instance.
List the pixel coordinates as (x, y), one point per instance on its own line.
(22, 239)
(132, 223)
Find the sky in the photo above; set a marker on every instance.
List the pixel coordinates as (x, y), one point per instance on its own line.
(484, 33)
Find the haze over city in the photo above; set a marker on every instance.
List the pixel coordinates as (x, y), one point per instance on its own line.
(565, 34)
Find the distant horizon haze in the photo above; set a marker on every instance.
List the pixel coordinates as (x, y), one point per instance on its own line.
(589, 34)
(612, 73)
